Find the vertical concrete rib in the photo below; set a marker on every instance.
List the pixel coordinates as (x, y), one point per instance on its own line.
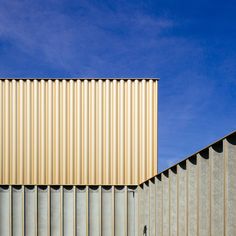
(17, 211)
(131, 223)
(173, 201)
(166, 203)
(159, 205)
(120, 211)
(42, 211)
(203, 193)
(152, 206)
(5, 210)
(146, 208)
(55, 211)
(182, 198)
(192, 196)
(30, 210)
(217, 189)
(229, 149)
(81, 211)
(94, 214)
(68, 210)
(107, 211)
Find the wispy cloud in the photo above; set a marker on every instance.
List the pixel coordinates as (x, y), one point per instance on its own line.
(73, 40)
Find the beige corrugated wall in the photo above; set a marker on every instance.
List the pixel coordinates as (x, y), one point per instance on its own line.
(78, 131)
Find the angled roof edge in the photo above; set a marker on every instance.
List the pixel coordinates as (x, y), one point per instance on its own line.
(233, 133)
(122, 78)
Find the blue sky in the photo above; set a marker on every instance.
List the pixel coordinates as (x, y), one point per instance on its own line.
(189, 45)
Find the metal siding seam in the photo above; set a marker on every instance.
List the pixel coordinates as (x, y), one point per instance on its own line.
(50, 134)
(143, 133)
(129, 158)
(147, 137)
(57, 134)
(136, 133)
(114, 126)
(151, 168)
(155, 122)
(101, 168)
(94, 161)
(6, 133)
(46, 135)
(64, 120)
(35, 131)
(9, 156)
(21, 136)
(85, 134)
(68, 115)
(79, 134)
(43, 152)
(132, 137)
(107, 136)
(14, 132)
(72, 180)
(28, 133)
(103, 127)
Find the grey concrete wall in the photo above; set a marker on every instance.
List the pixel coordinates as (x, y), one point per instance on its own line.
(197, 197)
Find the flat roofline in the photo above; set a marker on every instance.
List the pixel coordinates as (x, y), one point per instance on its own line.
(125, 79)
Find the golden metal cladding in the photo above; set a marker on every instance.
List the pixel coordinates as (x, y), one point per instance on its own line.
(78, 131)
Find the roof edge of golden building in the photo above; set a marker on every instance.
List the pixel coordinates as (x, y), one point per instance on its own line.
(89, 79)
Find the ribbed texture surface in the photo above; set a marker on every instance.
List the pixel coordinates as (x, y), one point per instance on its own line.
(68, 211)
(196, 197)
(78, 131)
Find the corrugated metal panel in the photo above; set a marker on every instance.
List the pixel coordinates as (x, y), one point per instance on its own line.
(83, 132)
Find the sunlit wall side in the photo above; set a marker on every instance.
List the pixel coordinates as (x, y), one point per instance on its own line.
(79, 131)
